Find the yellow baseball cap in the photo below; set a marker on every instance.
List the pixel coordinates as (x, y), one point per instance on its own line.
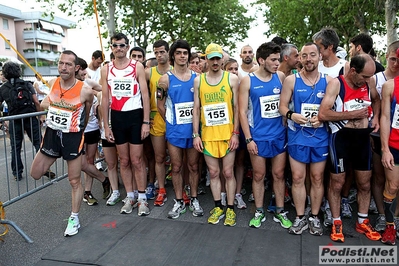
(213, 50)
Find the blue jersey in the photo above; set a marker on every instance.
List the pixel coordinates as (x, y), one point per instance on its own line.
(179, 107)
(265, 121)
(306, 100)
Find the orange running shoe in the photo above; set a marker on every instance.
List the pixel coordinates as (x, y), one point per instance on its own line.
(161, 198)
(336, 232)
(367, 229)
(389, 235)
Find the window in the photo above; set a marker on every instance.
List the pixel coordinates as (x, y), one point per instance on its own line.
(6, 45)
(5, 24)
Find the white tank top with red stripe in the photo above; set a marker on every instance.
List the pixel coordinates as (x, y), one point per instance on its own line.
(124, 88)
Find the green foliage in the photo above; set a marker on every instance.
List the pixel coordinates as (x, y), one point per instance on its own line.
(297, 21)
(199, 22)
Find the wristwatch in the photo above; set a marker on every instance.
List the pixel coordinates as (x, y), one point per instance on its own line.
(248, 140)
(195, 135)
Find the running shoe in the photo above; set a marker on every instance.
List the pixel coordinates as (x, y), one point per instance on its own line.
(89, 199)
(230, 219)
(373, 207)
(299, 226)
(282, 219)
(150, 191)
(201, 190)
(72, 227)
(315, 227)
(196, 208)
(50, 174)
(389, 235)
(238, 200)
(161, 198)
(186, 198)
(272, 204)
(99, 166)
(114, 199)
(258, 219)
(168, 175)
(368, 230)
(223, 197)
(130, 204)
(208, 178)
(346, 209)
(308, 210)
(251, 197)
(106, 188)
(352, 195)
(336, 232)
(328, 220)
(178, 208)
(380, 223)
(287, 196)
(216, 214)
(143, 209)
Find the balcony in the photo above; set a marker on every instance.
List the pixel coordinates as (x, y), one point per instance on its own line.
(42, 36)
(43, 70)
(41, 54)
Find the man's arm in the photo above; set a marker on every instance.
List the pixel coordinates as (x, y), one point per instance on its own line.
(163, 85)
(385, 124)
(45, 102)
(243, 97)
(375, 104)
(234, 139)
(145, 128)
(327, 114)
(87, 99)
(93, 84)
(286, 95)
(197, 143)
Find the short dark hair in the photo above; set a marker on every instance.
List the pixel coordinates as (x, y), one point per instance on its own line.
(364, 40)
(82, 63)
(69, 52)
(11, 70)
(161, 43)
(138, 49)
(179, 44)
(279, 40)
(97, 54)
(193, 56)
(266, 49)
(119, 36)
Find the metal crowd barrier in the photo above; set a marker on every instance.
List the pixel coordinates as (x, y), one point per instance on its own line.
(12, 190)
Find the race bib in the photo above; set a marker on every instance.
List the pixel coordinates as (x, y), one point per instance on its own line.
(269, 106)
(310, 110)
(122, 87)
(216, 114)
(356, 104)
(184, 113)
(395, 119)
(58, 119)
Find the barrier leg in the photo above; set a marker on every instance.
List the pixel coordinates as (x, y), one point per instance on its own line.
(19, 230)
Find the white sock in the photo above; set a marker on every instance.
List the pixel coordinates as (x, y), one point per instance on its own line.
(361, 217)
(142, 196)
(130, 194)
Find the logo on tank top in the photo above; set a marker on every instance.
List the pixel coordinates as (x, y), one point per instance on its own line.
(276, 90)
(320, 94)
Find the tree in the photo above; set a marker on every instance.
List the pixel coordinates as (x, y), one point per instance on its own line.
(391, 9)
(199, 22)
(297, 21)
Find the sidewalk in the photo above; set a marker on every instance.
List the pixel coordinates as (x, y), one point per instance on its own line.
(109, 238)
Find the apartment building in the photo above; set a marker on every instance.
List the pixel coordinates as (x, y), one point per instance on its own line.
(37, 38)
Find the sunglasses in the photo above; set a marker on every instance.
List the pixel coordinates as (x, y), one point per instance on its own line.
(120, 45)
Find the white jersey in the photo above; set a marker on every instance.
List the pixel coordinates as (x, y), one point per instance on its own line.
(94, 74)
(242, 72)
(380, 79)
(334, 70)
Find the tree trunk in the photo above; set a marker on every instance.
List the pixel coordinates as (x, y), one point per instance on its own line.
(391, 8)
